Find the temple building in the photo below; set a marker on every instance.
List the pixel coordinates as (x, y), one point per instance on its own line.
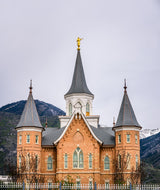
(80, 148)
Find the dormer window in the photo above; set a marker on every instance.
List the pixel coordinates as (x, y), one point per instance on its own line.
(70, 109)
(87, 109)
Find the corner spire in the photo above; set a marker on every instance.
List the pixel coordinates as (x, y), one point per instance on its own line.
(126, 115)
(30, 117)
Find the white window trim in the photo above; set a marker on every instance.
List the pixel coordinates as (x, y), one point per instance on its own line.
(27, 139)
(136, 139)
(129, 138)
(119, 135)
(37, 139)
(65, 161)
(20, 139)
(109, 163)
(91, 161)
(70, 108)
(47, 163)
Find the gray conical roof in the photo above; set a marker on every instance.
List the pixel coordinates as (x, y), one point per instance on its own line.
(29, 117)
(126, 115)
(79, 84)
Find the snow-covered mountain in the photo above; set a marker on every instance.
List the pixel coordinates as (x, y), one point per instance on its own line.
(148, 132)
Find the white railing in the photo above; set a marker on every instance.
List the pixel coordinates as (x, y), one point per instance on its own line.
(59, 186)
(11, 185)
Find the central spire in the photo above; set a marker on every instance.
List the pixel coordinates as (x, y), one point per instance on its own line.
(79, 84)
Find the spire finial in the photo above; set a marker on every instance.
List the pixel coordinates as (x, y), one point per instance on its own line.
(114, 121)
(78, 42)
(30, 86)
(125, 86)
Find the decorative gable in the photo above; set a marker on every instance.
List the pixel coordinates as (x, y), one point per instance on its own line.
(78, 115)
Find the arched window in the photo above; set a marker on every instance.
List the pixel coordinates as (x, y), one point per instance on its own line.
(65, 160)
(119, 161)
(70, 109)
(136, 162)
(49, 163)
(36, 162)
(20, 162)
(90, 161)
(75, 159)
(106, 163)
(78, 158)
(87, 109)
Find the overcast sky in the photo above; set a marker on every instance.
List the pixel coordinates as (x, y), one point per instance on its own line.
(121, 39)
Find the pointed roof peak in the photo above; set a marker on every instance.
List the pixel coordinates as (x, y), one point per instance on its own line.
(30, 117)
(125, 86)
(126, 115)
(114, 121)
(79, 84)
(31, 86)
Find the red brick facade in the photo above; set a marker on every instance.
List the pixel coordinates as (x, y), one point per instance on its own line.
(79, 135)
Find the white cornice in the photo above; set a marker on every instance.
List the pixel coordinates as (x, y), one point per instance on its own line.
(78, 94)
(29, 129)
(126, 128)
